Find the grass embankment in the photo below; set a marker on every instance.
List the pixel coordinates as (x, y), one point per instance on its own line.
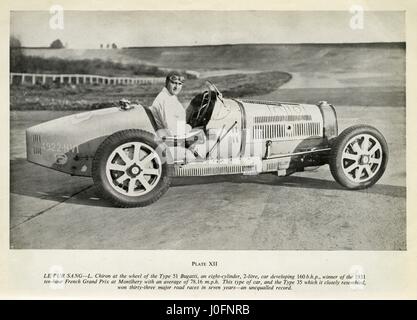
(327, 58)
(30, 64)
(87, 97)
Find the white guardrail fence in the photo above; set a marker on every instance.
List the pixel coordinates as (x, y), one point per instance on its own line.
(36, 78)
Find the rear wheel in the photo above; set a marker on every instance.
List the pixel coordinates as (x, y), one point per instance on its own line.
(129, 169)
(358, 157)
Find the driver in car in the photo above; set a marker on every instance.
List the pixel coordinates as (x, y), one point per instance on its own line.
(170, 115)
(168, 112)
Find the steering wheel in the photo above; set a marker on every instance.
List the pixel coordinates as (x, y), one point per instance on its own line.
(208, 97)
(204, 105)
(212, 87)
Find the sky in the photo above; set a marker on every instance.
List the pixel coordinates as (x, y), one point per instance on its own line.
(89, 29)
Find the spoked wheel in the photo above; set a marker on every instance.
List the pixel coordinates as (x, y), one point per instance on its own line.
(130, 170)
(133, 169)
(358, 157)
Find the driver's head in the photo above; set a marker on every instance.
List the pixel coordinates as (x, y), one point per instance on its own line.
(173, 82)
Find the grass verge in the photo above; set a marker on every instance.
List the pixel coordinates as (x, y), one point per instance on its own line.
(88, 97)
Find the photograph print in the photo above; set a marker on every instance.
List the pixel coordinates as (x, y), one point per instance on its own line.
(208, 130)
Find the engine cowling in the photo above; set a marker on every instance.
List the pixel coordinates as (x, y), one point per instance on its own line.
(286, 127)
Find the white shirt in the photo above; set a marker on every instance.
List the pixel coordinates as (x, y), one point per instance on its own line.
(169, 113)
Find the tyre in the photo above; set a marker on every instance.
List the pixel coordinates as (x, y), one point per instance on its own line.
(358, 157)
(129, 169)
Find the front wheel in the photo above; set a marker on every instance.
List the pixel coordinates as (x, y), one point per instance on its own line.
(358, 157)
(129, 169)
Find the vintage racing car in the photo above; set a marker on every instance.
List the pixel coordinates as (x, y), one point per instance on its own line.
(131, 163)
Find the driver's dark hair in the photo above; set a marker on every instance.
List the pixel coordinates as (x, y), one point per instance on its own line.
(171, 74)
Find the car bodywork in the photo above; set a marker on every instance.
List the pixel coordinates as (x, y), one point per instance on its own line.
(132, 161)
(263, 136)
(68, 144)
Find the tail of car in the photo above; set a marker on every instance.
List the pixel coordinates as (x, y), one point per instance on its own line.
(68, 144)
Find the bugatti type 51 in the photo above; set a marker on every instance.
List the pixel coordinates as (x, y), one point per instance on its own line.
(132, 163)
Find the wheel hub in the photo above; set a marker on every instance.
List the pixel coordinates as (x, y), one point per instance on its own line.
(364, 159)
(134, 170)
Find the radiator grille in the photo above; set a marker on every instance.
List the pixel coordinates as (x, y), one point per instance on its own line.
(289, 130)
